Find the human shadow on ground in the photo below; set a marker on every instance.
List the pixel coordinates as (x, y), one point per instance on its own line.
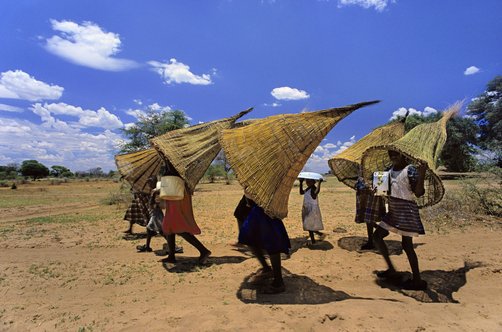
(441, 284)
(354, 243)
(134, 236)
(299, 290)
(191, 264)
(296, 244)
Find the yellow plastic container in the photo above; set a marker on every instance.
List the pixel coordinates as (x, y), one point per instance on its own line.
(172, 188)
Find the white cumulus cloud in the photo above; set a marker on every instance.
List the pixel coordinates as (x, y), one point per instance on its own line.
(318, 161)
(287, 93)
(378, 5)
(87, 45)
(471, 70)
(19, 85)
(86, 118)
(176, 72)
(9, 108)
(401, 111)
(56, 145)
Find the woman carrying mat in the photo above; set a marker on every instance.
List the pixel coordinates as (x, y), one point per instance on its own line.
(263, 233)
(179, 220)
(403, 217)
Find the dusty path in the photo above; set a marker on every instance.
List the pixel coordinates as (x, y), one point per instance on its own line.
(74, 271)
(333, 287)
(22, 213)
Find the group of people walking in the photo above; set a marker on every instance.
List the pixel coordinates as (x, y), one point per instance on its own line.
(265, 235)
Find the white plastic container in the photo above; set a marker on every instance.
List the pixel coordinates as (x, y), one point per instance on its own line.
(172, 188)
(381, 183)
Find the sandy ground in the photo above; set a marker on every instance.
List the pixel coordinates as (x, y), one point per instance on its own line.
(66, 265)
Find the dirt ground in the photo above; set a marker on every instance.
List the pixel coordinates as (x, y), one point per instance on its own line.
(66, 265)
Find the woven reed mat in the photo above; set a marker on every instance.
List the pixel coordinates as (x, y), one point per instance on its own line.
(268, 154)
(421, 145)
(137, 167)
(347, 165)
(191, 150)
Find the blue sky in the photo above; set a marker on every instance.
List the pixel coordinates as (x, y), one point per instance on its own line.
(72, 73)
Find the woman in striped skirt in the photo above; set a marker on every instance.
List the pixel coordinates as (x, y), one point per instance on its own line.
(403, 218)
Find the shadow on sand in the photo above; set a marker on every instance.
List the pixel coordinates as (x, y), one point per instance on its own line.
(296, 244)
(299, 290)
(354, 243)
(134, 236)
(191, 264)
(441, 284)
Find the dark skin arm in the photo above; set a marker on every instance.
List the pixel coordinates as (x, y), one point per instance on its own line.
(315, 192)
(419, 189)
(301, 187)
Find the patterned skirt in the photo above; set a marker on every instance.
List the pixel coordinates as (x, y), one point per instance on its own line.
(138, 212)
(370, 209)
(262, 232)
(403, 218)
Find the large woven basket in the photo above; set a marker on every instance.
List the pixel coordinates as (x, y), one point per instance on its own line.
(421, 145)
(268, 154)
(347, 165)
(191, 150)
(137, 167)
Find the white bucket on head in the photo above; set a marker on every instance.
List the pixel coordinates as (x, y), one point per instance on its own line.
(172, 188)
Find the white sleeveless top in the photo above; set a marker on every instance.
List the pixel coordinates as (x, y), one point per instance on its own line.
(400, 185)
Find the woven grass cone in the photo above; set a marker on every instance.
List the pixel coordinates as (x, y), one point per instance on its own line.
(421, 145)
(137, 167)
(347, 165)
(191, 150)
(268, 154)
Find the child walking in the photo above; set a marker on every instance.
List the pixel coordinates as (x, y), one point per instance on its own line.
(154, 225)
(311, 213)
(370, 209)
(403, 217)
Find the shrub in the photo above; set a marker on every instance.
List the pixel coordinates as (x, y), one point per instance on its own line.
(474, 198)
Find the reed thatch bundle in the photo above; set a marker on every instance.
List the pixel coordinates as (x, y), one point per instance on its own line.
(191, 150)
(421, 145)
(268, 154)
(137, 167)
(347, 165)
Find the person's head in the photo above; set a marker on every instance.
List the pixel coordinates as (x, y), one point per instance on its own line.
(152, 181)
(396, 158)
(310, 182)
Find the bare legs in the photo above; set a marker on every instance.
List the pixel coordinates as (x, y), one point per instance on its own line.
(190, 238)
(416, 283)
(379, 243)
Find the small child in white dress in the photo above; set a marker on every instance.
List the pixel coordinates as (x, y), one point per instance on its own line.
(311, 213)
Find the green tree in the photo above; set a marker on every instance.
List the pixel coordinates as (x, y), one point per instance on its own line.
(458, 151)
(96, 172)
(214, 171)
(487, 112)
(60, 171)
(9, 171)
(34, 169)
(153, 124)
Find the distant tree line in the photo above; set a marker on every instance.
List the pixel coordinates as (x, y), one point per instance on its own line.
(36, 170)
